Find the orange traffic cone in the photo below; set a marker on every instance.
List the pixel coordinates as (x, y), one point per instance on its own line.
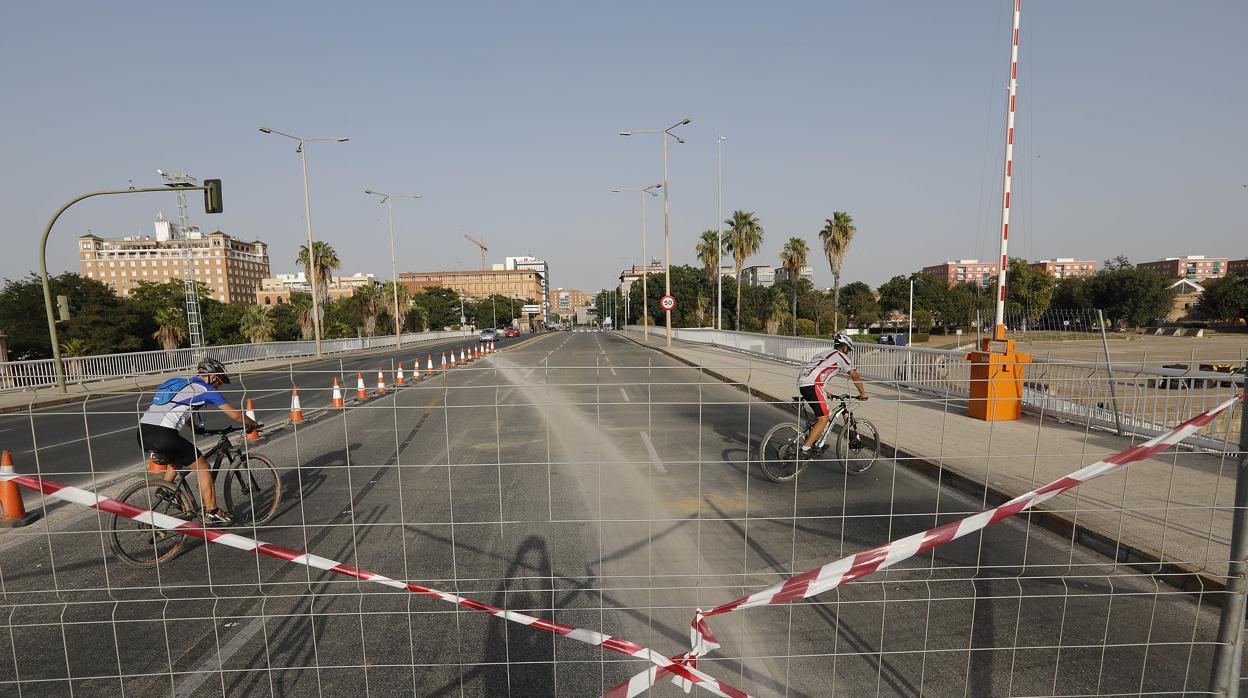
(296, 410)
(444, 361)
(251, 414)
(360, 392)
(11, 497)
(398, 379)
(429, 370)
(452, 358)
(381, 384)
(462, 359)
(337, 393)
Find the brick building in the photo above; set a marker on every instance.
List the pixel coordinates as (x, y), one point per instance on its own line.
(964, 271)
(1066, 267)
(1237, 266)
(1195, 267)
(522, 284)
(230, 268)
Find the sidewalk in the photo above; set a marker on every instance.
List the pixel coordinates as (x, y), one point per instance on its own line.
(1174, 508)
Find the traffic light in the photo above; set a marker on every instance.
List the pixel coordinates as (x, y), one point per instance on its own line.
(212, 196)
(62, 308)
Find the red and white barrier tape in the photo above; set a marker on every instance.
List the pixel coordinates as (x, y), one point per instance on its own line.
(854, 567)
(68, 493)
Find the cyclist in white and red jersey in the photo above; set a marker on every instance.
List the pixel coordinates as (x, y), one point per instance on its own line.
(813, 379)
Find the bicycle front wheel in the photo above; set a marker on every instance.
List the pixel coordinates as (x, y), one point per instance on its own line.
(143, 545)
(780, 455)
(857, 446)
(253, 490)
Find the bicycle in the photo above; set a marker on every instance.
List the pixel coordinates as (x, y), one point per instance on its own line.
(857, 442)
(252, 491)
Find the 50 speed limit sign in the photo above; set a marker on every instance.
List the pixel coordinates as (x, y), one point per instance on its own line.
(668, 302)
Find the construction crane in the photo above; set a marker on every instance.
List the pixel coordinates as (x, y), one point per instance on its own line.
(480, 244)
(194, 324)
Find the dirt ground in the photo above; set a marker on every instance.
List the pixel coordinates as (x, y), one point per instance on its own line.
(1149, 349)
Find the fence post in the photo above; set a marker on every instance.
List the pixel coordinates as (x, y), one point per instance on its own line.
(1228, 652)
(1109, 372)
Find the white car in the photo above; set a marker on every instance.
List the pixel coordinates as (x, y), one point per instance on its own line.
(489, 334)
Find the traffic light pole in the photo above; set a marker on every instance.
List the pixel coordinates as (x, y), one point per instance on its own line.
(57, 368)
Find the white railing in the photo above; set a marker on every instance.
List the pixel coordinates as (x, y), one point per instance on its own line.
(1149, 399)
(40, 373)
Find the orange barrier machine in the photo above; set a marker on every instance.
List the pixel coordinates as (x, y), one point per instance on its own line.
(996, 379)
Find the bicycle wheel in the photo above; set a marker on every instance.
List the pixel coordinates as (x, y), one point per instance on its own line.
(252, 490)
(143, 545)
(857, 446)
(780, 453)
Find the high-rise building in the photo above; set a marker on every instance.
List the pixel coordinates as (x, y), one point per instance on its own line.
(964, 271)
(1194, 267)
(230, 268)
(1066, 267)
(536, 265)
(569, 298)
(758, 275)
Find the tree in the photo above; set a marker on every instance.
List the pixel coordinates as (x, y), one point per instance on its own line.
(1071, 293)
(776, 309)
(1125, 293)
(856, 298)
(708, 254)
(440, 306)
(968, 302)
(324, 260)
(256, 324)
(103, 321)
(286, 322)
(221, 323)
(930, 293)
(368, 303)
(744, 239)
(302, 303)
(1028, 290)
(388, 292)
(792, 259)
(838, 231)
(1225, 299)
(170, 328)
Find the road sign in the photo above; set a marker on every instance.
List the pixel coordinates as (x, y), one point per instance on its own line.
(668, 302)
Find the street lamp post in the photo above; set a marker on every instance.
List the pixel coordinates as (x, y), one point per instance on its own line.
(645, 262)
(667, 228)
(719, 238)
(388, 200)
(307, 217)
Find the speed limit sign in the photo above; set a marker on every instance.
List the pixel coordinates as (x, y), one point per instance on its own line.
(668, 302)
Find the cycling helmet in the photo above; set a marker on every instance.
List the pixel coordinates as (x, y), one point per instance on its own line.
(842, 338)
(209, 366)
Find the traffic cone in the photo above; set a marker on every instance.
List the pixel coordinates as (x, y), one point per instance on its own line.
(444, 361)
(398, 379)
(430, 368)
(381, 384)
(452, 358)
(296, 410)
(360, 392)
(462, 359)
(253, 435)
(337, 393)
(11, 497)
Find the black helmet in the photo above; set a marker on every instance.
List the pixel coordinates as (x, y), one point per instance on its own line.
(209, 366)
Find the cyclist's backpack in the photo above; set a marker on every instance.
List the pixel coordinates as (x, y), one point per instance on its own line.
(167, 391)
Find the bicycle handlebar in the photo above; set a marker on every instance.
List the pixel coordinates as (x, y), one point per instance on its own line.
(227, 430)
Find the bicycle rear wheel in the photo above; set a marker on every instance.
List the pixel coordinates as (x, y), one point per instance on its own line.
(143, 545)
(857, 446)
(253, 490)
(780, 455)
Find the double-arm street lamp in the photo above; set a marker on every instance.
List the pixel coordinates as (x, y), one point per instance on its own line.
(388, 200)
(307, 216)
(667, 228)
(645, 262)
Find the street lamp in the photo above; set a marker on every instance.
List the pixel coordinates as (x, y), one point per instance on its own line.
(307, 216)
(388, 200)
(645, 261)
(719, 239)
(667, 228)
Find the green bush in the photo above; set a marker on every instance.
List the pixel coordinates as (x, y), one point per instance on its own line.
(805, 328)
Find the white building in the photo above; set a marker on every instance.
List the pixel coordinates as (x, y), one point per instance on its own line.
(533, 264)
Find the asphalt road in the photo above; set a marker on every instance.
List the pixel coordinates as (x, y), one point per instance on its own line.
(582, 478)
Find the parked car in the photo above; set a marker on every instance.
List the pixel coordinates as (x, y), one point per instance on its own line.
(489, 334)
(511, 332)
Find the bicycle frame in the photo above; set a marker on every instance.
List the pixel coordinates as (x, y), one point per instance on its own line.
(222, 451)
(841, 409)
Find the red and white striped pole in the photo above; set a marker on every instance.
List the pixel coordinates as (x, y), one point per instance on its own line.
(999, 329)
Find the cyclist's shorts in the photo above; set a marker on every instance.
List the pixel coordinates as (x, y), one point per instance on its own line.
(168, 442)
(814, 395)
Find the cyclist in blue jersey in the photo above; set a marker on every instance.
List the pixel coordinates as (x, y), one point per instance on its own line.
(171, 407)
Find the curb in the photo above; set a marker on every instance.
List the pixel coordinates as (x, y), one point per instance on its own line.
(1178, 575)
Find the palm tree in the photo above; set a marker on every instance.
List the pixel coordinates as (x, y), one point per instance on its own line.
(171, 328)
(388, 291)
(303, 304)
(708, 254)
(775, 309)
(368, 303)
(838, 231)
(72, 348)
(744, 238)
(793, 258)
(256, 324)
(326, 262)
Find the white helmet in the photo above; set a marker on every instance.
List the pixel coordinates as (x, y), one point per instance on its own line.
(842, 338)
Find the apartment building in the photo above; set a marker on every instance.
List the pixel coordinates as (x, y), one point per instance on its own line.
(1066, 267)
(1237, 266)
(806, 272)
(523, 284)
(537, 265)
(1195, 267)
(277, 290)
(758, 275)
(231, 268)
(964, 271)
(567, 299)
(635, 272)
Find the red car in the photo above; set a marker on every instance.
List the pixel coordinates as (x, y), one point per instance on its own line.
(511, 332)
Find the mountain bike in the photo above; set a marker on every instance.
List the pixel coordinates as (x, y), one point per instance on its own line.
(251, 488)
(857, 442)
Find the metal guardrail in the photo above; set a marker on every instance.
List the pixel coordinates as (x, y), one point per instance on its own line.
(39, 373)
(1150, 399)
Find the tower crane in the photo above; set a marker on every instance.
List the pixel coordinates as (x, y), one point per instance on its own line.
(480, 244)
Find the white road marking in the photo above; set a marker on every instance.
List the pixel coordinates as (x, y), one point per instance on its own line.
(613, 371)
(626, 398)
(654, 455)
(210, 666)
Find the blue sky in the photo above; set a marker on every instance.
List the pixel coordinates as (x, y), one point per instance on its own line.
(504, 115)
